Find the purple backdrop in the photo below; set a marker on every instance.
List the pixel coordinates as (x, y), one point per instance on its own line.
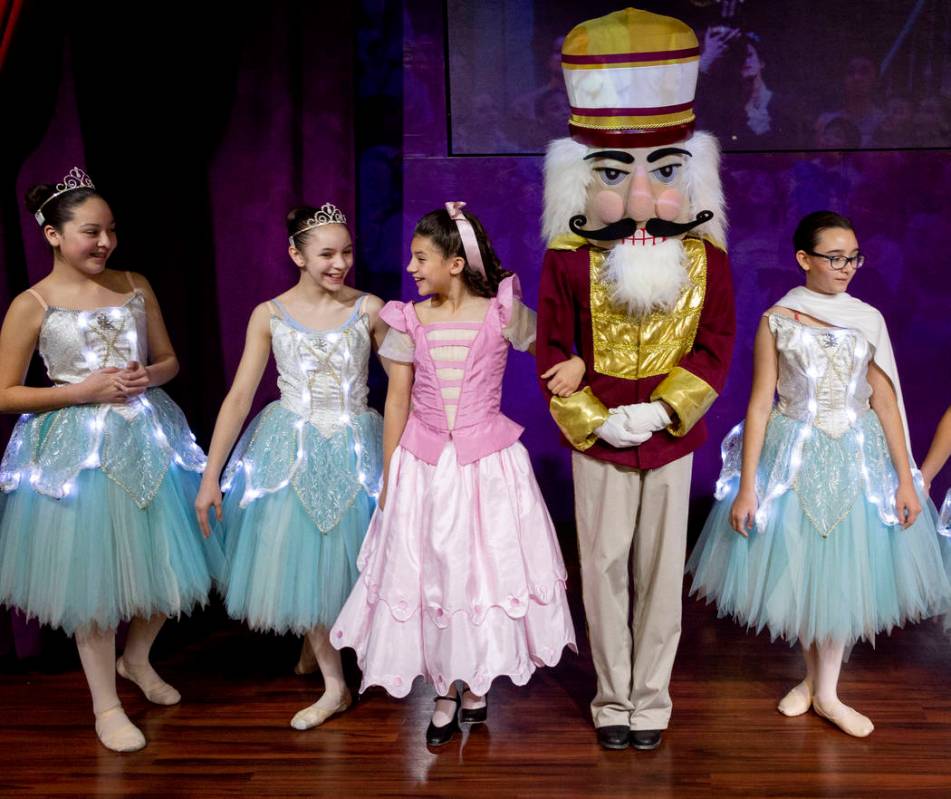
(897, 200)
(200, 155)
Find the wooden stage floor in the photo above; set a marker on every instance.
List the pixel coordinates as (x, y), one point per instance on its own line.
(231, 737)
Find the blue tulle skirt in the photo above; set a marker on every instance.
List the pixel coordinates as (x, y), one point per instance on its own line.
(94, 557)
(293, 530)
(808, 575)
(283, 573)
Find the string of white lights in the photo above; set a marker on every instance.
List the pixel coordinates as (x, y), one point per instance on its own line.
(307, 368)
(805, 430)
(92, 361)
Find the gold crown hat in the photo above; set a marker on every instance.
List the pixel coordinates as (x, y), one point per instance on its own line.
(631, 78)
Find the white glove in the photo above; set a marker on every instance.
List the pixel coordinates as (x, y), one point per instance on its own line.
(615, 432)
(644, 417)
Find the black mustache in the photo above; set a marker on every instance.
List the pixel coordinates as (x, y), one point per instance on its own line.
(624, 228)
(664, 229)
(616, 230)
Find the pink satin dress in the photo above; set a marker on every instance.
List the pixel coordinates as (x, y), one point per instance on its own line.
(461, 576)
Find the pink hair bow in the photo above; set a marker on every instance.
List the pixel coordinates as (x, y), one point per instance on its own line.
(469, 242)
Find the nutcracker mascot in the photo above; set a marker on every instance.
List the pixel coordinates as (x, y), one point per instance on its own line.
(635, 281)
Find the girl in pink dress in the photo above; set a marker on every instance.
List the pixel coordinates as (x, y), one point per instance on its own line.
(461, 577)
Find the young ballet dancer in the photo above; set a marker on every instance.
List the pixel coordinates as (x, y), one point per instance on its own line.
(101, 470)
(461, 577)
(302, 483)
(818, 533)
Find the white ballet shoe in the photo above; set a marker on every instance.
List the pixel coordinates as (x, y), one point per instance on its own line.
(156, 690)
(797, 701)
(846, 719)
(307, 662)
(116, 732)
(318, 713)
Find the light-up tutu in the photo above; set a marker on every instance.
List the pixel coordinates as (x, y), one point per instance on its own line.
(98, 522)
(302, 482)
(827, 559)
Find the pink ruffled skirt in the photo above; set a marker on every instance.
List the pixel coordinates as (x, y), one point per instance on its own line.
(461, 577)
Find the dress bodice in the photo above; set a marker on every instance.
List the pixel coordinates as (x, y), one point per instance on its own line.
(134, 443)
(320, 437)
(73, 344)
(322, 374)
(458, 371)
(821, 439)
(822, 374)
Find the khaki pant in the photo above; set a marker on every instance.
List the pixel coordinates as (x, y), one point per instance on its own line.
(632, 523)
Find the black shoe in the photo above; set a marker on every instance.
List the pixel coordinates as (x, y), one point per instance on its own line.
(614, 737)
(646, 739)
(437, 736)
(475, 715)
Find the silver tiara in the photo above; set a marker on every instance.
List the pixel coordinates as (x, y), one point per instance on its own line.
(328, 214)
(74, 179)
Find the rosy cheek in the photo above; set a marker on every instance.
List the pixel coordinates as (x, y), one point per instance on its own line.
(608, 206)
(669, 204)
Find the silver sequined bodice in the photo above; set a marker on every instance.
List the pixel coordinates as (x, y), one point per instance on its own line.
(73, 344)
(322, 374)
(823, 374)
(134, 443)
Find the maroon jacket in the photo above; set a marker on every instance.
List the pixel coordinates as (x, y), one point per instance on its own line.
(564, 328)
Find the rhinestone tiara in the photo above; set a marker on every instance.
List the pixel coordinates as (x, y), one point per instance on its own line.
(72, 180)
(328, 214)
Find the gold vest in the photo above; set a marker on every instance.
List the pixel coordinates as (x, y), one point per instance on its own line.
(632, 348)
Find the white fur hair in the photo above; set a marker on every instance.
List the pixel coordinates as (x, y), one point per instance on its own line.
(568, 175)
(703, 186)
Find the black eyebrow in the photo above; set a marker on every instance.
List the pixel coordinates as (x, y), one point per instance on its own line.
(663, 152)
(615, 155)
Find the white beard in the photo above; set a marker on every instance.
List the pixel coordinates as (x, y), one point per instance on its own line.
(644, 278)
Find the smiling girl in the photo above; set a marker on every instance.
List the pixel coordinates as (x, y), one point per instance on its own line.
(101, 470)
(303, 480)
(461, 576)
(818, 533)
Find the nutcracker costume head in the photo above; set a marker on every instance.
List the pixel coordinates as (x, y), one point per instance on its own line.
(634, 177)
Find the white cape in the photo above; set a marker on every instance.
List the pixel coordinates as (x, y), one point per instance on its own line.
(843, 310)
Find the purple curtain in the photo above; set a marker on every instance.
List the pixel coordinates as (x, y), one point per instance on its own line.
(202, 129)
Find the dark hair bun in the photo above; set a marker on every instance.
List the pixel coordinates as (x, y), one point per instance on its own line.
(57, 208)
(37, 195)
(297, 216)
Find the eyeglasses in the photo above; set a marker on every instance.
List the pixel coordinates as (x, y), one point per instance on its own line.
(839, 262)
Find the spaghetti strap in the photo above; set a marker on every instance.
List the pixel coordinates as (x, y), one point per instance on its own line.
(277, 308)
(39, 299)
(128, 276)
(360, 307)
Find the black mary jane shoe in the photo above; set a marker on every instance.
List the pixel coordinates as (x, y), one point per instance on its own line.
(474, 715)
(437, 736)
(614, 737)
(646, 739)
